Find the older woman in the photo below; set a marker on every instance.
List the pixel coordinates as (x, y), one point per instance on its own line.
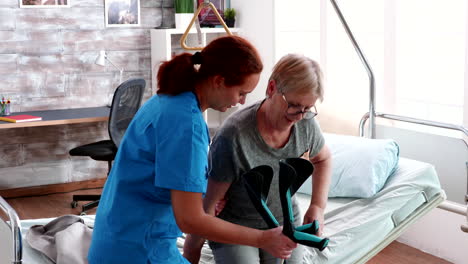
(280, 126)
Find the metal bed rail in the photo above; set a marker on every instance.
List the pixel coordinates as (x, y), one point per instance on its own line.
(372, 114)
(15, 227)
(446, 205)
(366, 65)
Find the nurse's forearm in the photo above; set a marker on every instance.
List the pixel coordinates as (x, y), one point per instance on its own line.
(191, 218)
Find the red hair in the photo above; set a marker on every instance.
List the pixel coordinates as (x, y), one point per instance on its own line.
(230, 57)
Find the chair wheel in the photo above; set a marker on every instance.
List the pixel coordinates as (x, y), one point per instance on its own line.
(74, 204)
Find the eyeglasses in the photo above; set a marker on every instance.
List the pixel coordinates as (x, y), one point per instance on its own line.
(293, 110)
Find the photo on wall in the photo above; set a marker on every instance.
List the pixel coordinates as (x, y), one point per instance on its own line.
(122, 13)
(207, 17)
(43, 3)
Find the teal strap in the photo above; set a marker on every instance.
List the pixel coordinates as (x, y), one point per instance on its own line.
(265, 207)
(306, 237)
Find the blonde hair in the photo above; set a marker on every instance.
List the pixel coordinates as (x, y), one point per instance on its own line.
(295, 72)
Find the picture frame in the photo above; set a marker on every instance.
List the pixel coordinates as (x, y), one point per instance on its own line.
(207, 18)
(44, 3)
(122, 13)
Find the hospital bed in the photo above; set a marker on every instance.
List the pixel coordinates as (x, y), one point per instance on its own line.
(358, 228)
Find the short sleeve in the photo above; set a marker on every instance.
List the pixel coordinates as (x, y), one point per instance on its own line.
(223, 160)
(316, 138)
(181, 152)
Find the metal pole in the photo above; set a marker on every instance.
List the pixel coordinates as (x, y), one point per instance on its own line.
(366, 66)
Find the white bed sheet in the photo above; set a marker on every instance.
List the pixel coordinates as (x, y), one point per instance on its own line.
(354, 226)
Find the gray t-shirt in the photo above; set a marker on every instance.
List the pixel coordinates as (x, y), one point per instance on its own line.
(238, 147)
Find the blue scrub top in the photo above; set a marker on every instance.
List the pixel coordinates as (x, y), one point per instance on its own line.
(164, 148)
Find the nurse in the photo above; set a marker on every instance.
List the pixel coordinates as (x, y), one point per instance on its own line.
(154, 191)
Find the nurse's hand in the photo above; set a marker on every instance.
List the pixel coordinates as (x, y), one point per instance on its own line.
(276, 243)
(192, 248)
(193, 256)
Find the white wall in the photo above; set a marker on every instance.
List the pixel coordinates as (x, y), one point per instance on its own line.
(438, 233)
(256, 20)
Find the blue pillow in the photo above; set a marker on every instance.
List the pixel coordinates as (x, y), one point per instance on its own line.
(361, 166)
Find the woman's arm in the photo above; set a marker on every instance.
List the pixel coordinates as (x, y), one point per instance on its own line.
(191, 218)
(215, 192)
(321, 182)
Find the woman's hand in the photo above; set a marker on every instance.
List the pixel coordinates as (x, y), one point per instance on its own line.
(276, 243)
(315, 213)
(220, 206)
(192, 248)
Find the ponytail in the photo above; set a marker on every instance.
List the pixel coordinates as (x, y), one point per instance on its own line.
(177, 75)
(230, 57)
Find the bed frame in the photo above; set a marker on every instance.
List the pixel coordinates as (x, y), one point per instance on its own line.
(397, 231)
(11, 228)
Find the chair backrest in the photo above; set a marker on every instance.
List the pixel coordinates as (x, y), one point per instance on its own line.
(125, 103)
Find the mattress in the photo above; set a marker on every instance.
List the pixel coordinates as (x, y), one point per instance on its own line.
(357, 228)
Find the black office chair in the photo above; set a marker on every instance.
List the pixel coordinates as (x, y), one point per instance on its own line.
(125, 103)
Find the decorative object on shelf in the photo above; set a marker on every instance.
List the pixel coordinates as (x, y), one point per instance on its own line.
(230, 17)
(44, 3)
(122, 13)
(163, 24)
(5, 106)
(207, 16)
(101, 61)
(183, 12)
(205, 4)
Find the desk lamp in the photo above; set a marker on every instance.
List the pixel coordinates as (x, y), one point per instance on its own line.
(101, 60)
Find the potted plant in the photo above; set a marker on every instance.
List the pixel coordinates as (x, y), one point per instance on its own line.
(230, 17)
(183, 12)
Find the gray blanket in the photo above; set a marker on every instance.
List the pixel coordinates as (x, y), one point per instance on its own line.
(64, 240)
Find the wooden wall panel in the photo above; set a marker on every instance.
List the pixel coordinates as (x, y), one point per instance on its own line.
(47, 60)
(8, 63)
(79, 18)
(11, 155)
(89, 3)
(7, 18)
(9, 3)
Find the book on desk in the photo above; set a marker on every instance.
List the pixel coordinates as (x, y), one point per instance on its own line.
(20, 118)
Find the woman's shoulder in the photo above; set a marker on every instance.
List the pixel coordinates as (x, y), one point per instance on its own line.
(239, 120)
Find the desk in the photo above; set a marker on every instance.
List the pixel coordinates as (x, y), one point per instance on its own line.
(62, 117)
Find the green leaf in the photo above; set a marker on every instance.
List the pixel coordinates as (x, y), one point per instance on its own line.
(183, 6)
